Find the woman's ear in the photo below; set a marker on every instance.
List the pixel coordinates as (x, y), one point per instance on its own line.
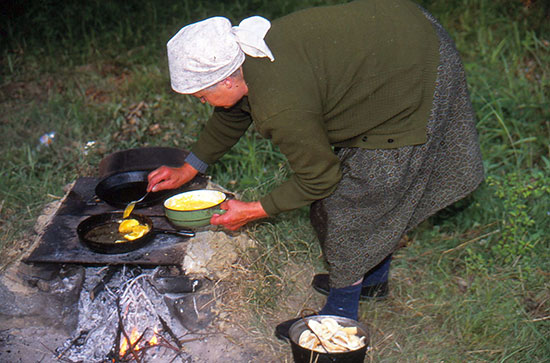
(228, 82)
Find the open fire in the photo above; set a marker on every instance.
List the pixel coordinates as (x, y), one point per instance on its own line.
(129, 321)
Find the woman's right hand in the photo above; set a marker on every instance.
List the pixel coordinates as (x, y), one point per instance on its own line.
(167, 177)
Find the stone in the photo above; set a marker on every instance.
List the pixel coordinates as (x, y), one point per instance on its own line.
(168, 281)
(195, 311)
(28, 300)
(212, 253)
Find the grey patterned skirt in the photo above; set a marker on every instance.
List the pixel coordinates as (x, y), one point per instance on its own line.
(385, 193)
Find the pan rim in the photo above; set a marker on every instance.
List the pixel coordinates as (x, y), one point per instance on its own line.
(191, 192)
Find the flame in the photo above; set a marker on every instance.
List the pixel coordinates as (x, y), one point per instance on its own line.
(154, 340)
(134, 336)
(124, 345)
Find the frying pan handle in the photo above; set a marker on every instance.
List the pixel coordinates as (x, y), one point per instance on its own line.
(93, 200)
(181, 232)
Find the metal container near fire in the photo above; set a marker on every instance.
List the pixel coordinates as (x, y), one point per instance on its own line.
(302, 354)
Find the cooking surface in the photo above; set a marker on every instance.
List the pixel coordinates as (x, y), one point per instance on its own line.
(60, 243)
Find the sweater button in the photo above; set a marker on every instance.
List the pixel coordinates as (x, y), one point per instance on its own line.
(390, 141)
(364, 138)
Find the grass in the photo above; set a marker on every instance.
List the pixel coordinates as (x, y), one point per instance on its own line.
(469, 286)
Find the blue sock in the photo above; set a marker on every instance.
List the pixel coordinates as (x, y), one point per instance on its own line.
(379, 273)
(343, 302)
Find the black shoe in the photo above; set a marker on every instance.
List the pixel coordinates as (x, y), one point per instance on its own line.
(376, 292)
(282, 330)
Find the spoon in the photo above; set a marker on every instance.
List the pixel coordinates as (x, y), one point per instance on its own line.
(130, 207)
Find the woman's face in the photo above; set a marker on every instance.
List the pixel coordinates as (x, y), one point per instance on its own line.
(225, 94)
(217, 97)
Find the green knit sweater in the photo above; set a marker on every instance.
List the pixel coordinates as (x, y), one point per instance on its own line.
(360, 74)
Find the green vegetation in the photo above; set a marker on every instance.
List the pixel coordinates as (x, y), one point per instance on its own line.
(470, 285)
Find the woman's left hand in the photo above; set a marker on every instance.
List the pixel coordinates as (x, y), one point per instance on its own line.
(238, 214)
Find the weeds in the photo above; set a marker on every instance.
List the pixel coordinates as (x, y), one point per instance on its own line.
(525, 199)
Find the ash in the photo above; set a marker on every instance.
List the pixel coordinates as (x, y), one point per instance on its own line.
(131, 299)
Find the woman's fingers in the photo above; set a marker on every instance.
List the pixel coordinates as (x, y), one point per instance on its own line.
(238, 214)
(162, 178)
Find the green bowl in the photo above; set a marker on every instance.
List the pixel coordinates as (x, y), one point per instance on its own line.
(181, 212)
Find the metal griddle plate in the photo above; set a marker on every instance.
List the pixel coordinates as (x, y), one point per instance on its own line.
(60, 244)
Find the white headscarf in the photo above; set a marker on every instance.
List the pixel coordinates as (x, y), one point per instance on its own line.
(204, 53)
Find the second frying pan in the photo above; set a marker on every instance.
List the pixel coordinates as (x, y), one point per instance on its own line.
(99, 233)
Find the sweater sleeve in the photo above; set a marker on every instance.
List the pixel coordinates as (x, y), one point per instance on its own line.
(301, 137)
(224, 128)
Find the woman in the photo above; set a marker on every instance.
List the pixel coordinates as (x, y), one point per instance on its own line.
(367, 100)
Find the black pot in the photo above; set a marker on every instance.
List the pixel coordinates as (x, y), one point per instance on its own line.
(303, 355)
(107, 245)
